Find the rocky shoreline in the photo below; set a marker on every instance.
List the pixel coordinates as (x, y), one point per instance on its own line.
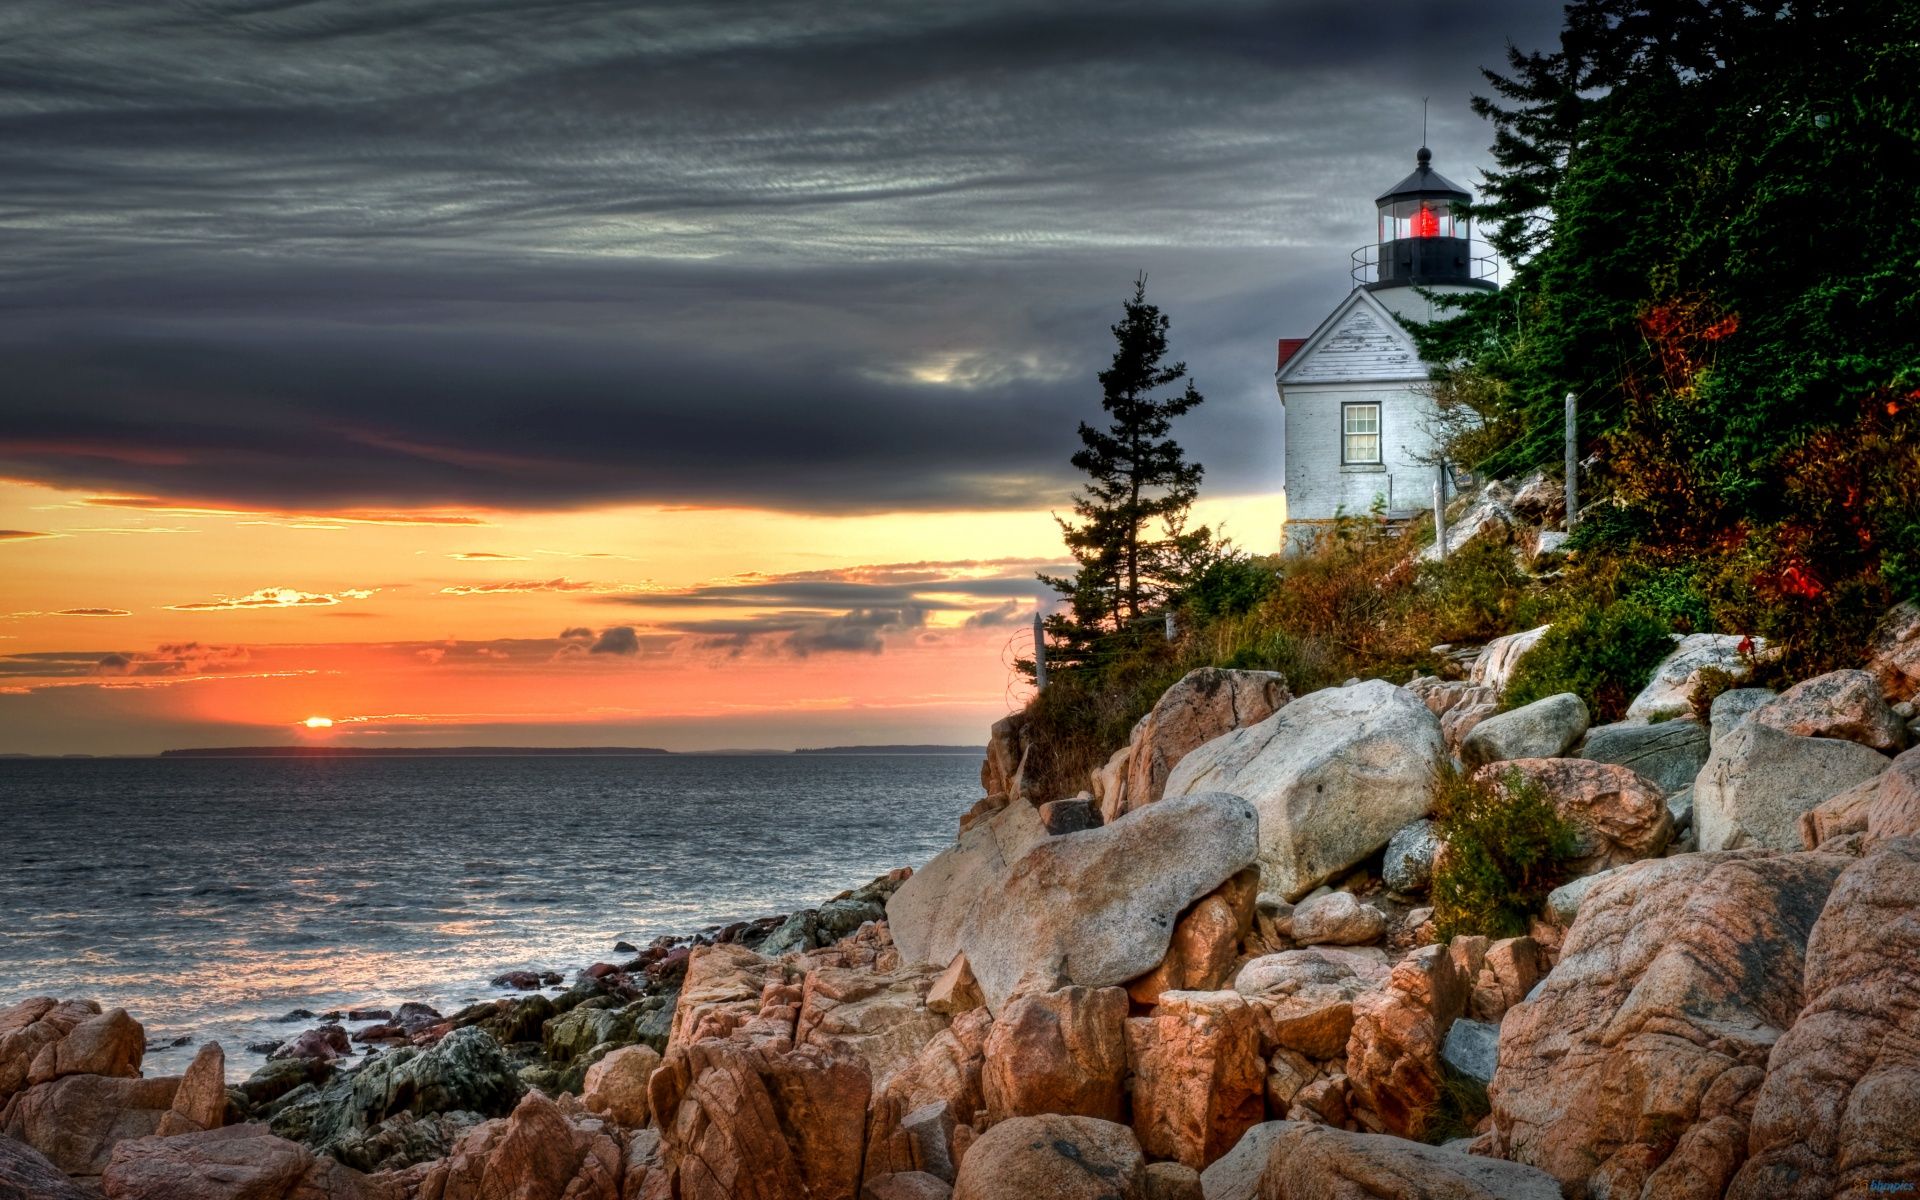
(1214, 973)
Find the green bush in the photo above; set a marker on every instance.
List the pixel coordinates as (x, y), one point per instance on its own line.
(1672, 594)
(1229, 586)
(1506, 847)
(1603, 655)
(1086, 712)
(1473, 595)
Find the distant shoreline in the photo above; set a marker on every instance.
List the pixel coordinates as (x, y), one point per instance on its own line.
(493, 752)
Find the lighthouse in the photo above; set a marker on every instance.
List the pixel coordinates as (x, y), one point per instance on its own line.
(1359, 418)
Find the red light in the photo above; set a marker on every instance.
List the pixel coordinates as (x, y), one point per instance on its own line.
(1426, 223)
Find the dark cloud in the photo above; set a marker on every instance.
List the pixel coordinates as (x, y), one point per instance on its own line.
(22, 535)
(575, 634)
(832, 594)
(838, 255)
(619, 639)
(1000, 614)
(857, 631)
(170, 659)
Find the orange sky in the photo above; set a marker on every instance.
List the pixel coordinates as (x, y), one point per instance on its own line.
(131, 624)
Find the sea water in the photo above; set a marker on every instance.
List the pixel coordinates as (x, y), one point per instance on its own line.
(209, 897)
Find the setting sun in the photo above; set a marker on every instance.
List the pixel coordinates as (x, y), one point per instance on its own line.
(319, 722)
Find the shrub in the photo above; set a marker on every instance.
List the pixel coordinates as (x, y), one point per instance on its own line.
(1229, 586)
(1347, 589)
(1672, 594)
(1603, 655)
(1086, 712)
(1471, 597)
(1707, 686)
(1505, 847)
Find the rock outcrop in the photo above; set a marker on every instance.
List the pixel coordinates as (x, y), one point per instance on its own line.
(1634, 1066)
(616, 1086)
(1840, 1107)
(1501, 657)
(1670, 692)
(1298, 1161)
(1199, 1081)
(466, 1071)
(1669, 755)
(1884, 806)
(1206, 941)
(1307, 996)
(915, 1116)
(1846, 705)
(1460, 705)
(880, 1018)
(1333, 775)
(1894, 811)
(1206, 703)
(722, 990)
(1546, 728)
(1408, 865)
(743, 1123)
(1758, 782)
(930, 911)
(1337, 919)
(1484, 514)
(1009, 749)
(535, 1153)
(1733, 706)
(1063, 1051)
(1098, 908)
(200, 1102)
(1893, 653)
(25, 1174)
(240, 1162)
(1394, 1069)
(1620, 817)
(1061, 1158)
(955, 990)
(33, 1033)
(77, 1120)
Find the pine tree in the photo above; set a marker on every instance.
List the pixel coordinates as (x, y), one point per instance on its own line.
(1533, 138)
(1130, 542)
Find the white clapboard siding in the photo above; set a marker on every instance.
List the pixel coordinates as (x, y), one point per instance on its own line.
(1361, 344)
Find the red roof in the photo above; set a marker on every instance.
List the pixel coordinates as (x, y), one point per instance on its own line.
(1288, 348)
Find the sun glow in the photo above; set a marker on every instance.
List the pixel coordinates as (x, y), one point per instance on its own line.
(318, 722)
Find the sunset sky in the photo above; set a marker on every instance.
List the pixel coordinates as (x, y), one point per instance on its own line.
(671, 374)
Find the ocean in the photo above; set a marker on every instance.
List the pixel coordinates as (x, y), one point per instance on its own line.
(209, 897)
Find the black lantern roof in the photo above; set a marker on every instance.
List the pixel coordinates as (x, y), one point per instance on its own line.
(1425, 184)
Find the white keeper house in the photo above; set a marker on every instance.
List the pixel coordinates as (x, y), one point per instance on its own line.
(1358, 412)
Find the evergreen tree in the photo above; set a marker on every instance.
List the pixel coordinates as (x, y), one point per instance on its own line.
(1709, 208)
(1130, 542)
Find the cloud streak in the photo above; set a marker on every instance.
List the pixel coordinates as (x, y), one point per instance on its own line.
(509, 587)
(274, 597)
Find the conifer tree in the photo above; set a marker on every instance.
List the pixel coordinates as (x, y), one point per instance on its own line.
(1131, 540)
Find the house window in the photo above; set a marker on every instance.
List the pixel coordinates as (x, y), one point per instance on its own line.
(1359, 433)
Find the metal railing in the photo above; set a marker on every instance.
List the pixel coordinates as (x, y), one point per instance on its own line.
(1482, 264)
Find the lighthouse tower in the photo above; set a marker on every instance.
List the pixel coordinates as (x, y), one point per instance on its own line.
(1359, 419)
